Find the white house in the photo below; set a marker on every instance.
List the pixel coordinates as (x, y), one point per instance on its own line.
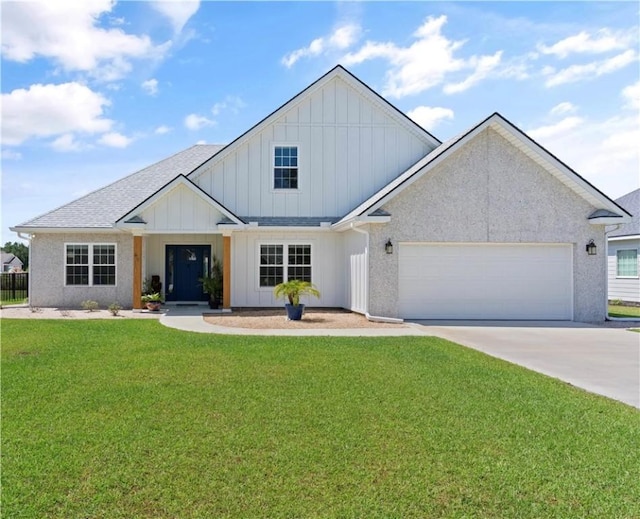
(339, 187)
(623, 261)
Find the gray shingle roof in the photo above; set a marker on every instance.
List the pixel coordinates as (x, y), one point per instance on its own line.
(7, 258)
(101, 208)
(630, 202)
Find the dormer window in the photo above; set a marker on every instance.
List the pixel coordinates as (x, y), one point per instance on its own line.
(285, 167)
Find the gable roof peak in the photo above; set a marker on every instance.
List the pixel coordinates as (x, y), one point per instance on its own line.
(338, 71)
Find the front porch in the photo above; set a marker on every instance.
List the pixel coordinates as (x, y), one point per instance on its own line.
(178, 261)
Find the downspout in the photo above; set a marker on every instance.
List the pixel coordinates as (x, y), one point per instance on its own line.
(28, 238)
(373, 318)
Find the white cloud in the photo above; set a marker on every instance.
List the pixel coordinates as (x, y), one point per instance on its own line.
(563, 108)
(483, 67)
(115, 140)
(66, 142)
(46, 110)
(68, 33)
(177, 12)
(11, 155)
(632, 95)
(426, 62)
(547, 132)
(590, 70)
(161, 130)
(603, 41)
(150, 86)
(232, 103)
(201, 142)
(430, 116)
(195, 121)
(605, 152)
(340, 39)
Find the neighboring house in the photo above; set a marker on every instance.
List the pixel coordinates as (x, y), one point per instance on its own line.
(340, 188)
(11, 263)
(624, 243)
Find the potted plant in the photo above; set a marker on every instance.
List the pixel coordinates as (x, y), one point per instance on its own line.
(152, 301)
(293, 290)
(212, 283)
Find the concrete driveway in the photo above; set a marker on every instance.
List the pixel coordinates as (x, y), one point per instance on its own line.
(602, 360)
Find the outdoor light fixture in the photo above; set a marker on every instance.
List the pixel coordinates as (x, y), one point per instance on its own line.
(388, 247)
(591, 248)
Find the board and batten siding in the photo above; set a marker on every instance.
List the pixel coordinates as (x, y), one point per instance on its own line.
(326, 267)
(348, 149)
(181, 210)
(625, 289)
(355, 267)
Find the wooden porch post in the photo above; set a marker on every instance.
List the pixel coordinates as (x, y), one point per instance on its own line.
(226, 272)
(137, 272)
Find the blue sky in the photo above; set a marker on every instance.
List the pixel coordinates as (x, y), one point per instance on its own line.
(95, 90)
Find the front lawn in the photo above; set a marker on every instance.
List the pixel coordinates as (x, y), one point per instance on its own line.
(128, 419)
(624, 311)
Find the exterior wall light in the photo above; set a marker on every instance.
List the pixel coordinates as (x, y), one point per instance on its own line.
(388, 247)
(591, 248)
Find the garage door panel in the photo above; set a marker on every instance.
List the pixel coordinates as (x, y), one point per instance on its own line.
(481, 281)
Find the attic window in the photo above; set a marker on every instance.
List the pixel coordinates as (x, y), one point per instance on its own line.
(285, 167)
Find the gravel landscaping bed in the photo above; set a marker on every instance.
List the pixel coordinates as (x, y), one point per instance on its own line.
(275, 319)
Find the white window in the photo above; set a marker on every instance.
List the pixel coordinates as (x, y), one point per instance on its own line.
(627, 263)
(285, 167)
(279, 262)
(91, 264)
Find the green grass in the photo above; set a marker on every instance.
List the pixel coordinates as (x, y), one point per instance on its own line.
(18, 301)
(128, 419)
(624, 311)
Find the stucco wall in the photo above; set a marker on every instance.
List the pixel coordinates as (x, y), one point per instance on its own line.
(47, 272)
(489, 191)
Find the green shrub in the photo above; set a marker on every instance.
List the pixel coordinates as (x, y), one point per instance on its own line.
(114, 308)
(90, 305)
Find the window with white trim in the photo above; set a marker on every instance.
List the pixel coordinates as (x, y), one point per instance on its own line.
(90, 264)
(285, 167)
(276, 266)
(627, 263)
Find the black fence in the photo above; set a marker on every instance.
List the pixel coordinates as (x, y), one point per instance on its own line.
(14, 286)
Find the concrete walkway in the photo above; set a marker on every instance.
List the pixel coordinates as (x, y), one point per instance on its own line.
(605, 361)
(601, 360)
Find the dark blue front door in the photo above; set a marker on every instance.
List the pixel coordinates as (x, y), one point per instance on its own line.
(185, 264)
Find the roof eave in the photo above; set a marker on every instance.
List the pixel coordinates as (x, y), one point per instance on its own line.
(609, 220)
(357, 221)
(625, 237)
(61, 230)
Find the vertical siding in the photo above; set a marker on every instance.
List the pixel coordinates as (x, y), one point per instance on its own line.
(327, 267)
(349, 148)
(355, 267)
(181, 210)
(625, 289)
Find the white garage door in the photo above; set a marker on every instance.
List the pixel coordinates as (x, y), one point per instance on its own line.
(485, 281)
